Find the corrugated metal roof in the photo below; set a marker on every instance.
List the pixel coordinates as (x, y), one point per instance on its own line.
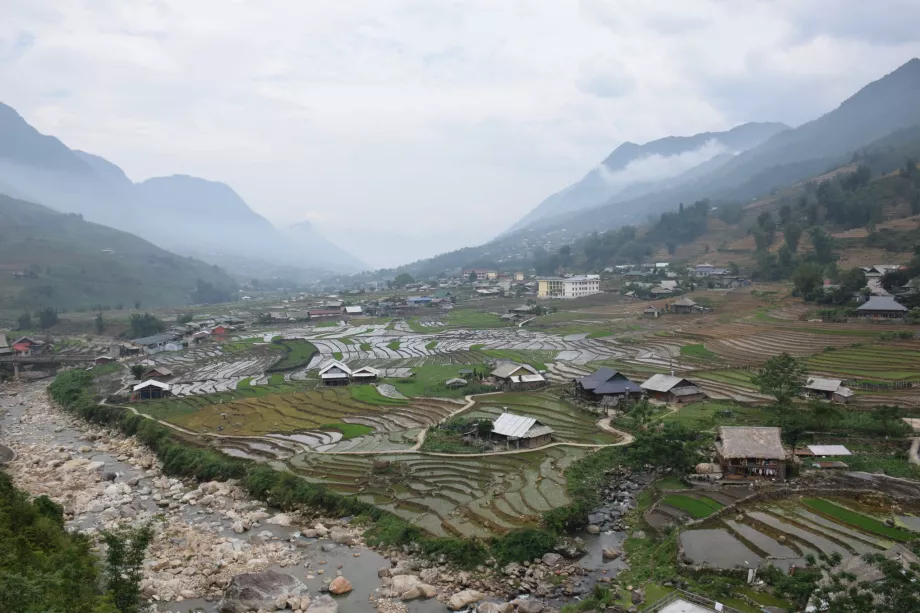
(512, 425)
(151, 383)
(661, 383)
(829, 450)
(823, 385)
(503, 371)
(365, 371)
(532, 378)
(334, 364)
(881, 303)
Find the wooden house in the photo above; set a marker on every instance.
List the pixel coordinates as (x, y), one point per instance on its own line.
(672, 389)
(365, 374)
(750, 453)
(518, 376)
(335, 373)
(158, 373)
(606, 382)
(881, 307)
(150, 390)
(684, 305)
(832, 390)
(518, 431)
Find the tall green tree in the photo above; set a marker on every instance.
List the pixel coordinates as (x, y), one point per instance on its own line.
(144, 325)
(792, 233)
(124, 565)
(47, 317)
(403, 279)
(672, 447)
(807, 277)
(25, 321)
(99, 323)
(823, 245)
(782, 377)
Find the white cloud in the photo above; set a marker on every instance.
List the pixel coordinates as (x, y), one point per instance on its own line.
(656, 167)
(421, 117)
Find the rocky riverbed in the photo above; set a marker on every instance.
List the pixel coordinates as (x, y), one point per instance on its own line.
(211, 536)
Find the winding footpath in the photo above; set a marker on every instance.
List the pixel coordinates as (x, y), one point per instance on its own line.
(604, 424)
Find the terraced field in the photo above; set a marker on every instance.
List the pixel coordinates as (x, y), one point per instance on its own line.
(463, 496)
(890, 361)
(782, 533)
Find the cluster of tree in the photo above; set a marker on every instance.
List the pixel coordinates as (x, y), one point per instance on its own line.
(45, 318)
(144, 325)
(43, 567)
(207, 293)
(402, 280)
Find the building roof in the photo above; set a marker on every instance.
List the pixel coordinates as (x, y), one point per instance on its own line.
(455, 381)
(685, 302)
(156, 339)
(166, 372)
(354, 310)
(820, 384)
(365, 371)
(830, 450)
(332, 366)
(881, 303)
(3, 341)
(664, 383)
(750, 442)
(151, 383)
(607, 381)
(651, 309)
(503, 371)
(687, 390)
(519, 426)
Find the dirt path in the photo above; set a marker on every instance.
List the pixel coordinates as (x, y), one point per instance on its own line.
(914, 446)
(603, 424)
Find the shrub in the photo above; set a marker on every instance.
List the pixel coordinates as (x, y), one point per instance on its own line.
(521, 545)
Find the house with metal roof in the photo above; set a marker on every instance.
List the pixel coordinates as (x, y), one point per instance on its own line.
(828, 389)
(750, 453)
(512, 374)
(606, 382)
(881, 307)
(672, 389)
(150, 390)
(519, 431)
(365, 374)
(334, 373)
(158, 372)
(353, 310)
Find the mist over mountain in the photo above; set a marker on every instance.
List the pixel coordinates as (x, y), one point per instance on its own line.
(185, 214)
(631, 169)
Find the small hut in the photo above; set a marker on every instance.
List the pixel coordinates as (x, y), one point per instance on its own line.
(672, 389)
(684, 305)
(750, 453)
(519, 431)
(365, 374)
(150, 390)
(334, 373)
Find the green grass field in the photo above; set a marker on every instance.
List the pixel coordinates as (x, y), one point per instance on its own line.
(699, 353)
(858, 520)
(348, 431)
(707, 415)
(469, 318)
(394, 345)
(327, 324)
(697, 507)
(429, 381)
(297, 355)
(370, 395)
(337, 355)
(431, 345)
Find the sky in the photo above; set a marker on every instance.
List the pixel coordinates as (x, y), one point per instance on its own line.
(405, 128)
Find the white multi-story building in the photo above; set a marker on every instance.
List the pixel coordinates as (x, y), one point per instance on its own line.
(568, 287)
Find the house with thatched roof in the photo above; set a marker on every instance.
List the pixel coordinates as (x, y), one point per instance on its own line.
(684, 305)
(749, 453)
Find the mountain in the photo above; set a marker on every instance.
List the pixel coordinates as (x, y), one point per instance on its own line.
(321, 248)
(72, 263)
(884, 111)
(184, 214)
(632, 170)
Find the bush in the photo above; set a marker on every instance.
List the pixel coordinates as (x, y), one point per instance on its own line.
(521, 545)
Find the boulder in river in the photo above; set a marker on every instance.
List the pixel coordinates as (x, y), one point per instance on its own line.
(254, 591)
(462, 600)
(340, 585)
(323, 604)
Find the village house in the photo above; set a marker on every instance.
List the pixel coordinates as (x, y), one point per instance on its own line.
(353, 311)
(750, 453)
(324, 313)
(157, 372)
(684, 305)
(651, 311)
(219, 330)
(879, 270)
(365, 374)
(828, 389)
(155, 343)
(29, 346)
(568, 287)
(106, 358)
(607, 383)
(672, 389)
(881, 307)
(150, 390)
(419, 300)
(659, 292)
(334, 373)
(518, 275)
(518, 376)
(455, 382)
(518, 431)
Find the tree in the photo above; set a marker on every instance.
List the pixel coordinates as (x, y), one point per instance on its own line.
(823, 413)
(672, 447)
(791, 431)
(484, 428)
(782, 377)
(792, 233)
(25, 321)
(184, 318)
(144, 325)
(137, 371)
(895, 592)
(47, 317)
(124, 561)
(733, 269)
(887, 415)
(807, 278)
(403, 279)
(100, 324)
(823, 245)
(472, 277)
(853, 280)
(206, 293)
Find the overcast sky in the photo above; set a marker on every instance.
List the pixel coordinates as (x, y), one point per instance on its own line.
(408, 127)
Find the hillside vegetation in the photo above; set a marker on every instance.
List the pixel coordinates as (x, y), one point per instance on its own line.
(70, 263)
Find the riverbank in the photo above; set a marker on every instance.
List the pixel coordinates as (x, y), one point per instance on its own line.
(208, 533)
